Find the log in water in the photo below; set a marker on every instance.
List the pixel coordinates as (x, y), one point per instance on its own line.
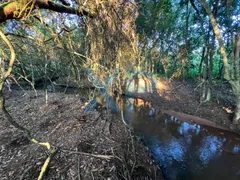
(185, 150)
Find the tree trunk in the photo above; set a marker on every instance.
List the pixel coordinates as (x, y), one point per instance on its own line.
(205, 78)
(232, 76)
(200, 65)
(219, 37)
(186, 33)
(236, 75)
(209, 72)
(236, 117)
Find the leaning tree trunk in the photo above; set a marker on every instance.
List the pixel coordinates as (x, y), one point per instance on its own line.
(232, 75)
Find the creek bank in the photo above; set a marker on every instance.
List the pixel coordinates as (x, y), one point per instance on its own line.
(90, 145)
(184, 150)
(181, 96)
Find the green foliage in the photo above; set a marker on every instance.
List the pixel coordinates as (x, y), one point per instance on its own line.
(162, 26)
(217, 64)
(57, 45)
(192, 71)
(50, 45)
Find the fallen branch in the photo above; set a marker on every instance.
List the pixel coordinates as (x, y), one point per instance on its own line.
(59, 124)
(79, 173)
(3, 78)
(45, 165)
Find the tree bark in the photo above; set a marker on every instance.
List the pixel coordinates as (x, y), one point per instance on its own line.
(219, 37)
(186, 29)
(17, 9)
(234, 77)
(205, 76)
(209, 72)
(236, 84)
(236, 117)
(201, 62)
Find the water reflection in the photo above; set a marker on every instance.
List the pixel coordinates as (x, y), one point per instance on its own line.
(209, 148)
(139, 85)
(185, 151)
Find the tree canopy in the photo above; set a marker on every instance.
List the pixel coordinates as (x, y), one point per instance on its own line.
(47, 40)
(174, 39)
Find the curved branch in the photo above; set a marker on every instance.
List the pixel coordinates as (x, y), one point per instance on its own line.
(10, 118)
(17, 9)
(64, 2)
(3, 78)
(11, 61)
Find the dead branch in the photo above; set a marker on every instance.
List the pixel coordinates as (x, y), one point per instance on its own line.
(19, 9)
(9, 117)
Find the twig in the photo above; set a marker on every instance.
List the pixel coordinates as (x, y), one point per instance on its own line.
(108, 157)
(26, 79)
(198, 85)
(25, 172)
(134, 154)
(92, 176)
(123, 120)
(45, 165)
(199, 106)
(59, 124)
(24, 8)
(79, 173)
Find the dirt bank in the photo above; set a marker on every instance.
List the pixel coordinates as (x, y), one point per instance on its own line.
(184, 97)
(94, 145)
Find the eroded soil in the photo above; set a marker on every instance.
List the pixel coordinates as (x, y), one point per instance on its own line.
(94, 145)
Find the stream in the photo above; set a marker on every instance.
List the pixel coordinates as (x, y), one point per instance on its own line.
(184, 151)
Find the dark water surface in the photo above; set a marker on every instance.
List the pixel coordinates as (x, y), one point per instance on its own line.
(185, 151)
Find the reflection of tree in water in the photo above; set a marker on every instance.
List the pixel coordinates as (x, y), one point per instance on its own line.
(183, 150)
(136, 84)
(141, 106)
(209, 148)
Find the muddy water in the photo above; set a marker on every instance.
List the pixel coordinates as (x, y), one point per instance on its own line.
(185, 151)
